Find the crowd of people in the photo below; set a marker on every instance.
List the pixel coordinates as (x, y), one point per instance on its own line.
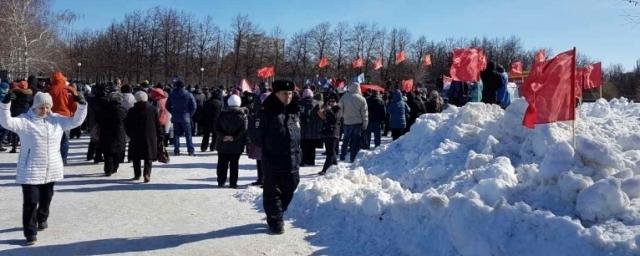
(280, 126)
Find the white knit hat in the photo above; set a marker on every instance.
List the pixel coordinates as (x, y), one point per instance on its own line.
(234, 101)
(42, 98)
(141, 96)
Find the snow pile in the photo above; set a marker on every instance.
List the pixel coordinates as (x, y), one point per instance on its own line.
(473, 181)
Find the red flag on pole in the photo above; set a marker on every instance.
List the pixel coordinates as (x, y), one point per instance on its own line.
(407, 85)
(550, 90)
(324, 61)
(467, 63)
(266, 72)
(426, 60)
(516, 67)
(400, 57)
(357, 63)
(244, 86)
(378, 64)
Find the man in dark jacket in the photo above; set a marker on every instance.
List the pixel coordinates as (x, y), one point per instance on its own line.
(311, 126)
(377, 114)
(280, 141)
(200, 98)
(182, 106)
(210, 112)
(491, 80)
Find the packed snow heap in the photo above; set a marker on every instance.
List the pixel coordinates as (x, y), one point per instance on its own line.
(474, 181)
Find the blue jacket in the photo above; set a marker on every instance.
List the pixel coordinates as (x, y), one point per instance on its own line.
(398, 110)
(504, 99)
(182, 105)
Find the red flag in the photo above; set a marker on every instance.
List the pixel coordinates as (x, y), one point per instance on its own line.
(400, 57)
(540, 56)
(324, 61)
(593, 76)
(467, 64)
(374, 87)
(340, 84)
(378, 64)
(482, 60)
(357, 63)
(244, 86)
(266, 72)
(550, 90)
(426, 60)
(516, 67)
(407, 85)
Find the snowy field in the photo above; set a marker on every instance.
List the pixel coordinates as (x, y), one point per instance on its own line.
(474, 181)
(181, 212)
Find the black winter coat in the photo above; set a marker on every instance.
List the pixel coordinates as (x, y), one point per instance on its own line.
(142, 125)
(231, 122)
(491, 81)
(21, 104)
(111, 122)
(280, 136)
(310, 122)
(210, 112)
(331, 124)
(377, 109)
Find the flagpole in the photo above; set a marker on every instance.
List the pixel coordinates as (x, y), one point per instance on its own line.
(573, 97)
(601, 90)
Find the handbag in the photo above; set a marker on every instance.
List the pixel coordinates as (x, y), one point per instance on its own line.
(163, 155)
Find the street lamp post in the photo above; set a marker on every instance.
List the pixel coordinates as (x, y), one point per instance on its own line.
(78, 75)
(202, 76)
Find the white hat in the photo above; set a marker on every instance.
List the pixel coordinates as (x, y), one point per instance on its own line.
(42, 98)
(141, 96)
(234, 101)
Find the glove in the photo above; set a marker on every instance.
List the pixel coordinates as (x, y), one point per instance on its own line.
(80, 99)
(8, 98)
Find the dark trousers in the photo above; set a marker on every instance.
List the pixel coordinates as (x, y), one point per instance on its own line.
(35, 206)
(208, 132)
(64, 146)
(330, 145)
(260, 174)
(112, 162)
(180, 129)
(352, 141)
(137, 167)
(225, 162)
(396, 133)
(278, 193)
(376, 129)
(308, 151)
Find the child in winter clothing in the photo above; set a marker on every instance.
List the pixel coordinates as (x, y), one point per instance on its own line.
(39, 163)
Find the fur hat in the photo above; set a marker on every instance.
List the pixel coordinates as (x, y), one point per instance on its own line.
(42, 98)
(282, 85)
(234, 101)
(141, 96)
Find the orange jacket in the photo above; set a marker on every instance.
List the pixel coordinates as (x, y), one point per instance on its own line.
(62, 95)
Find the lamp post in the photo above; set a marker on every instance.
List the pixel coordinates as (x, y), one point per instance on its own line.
(201, 76)
(78, 75)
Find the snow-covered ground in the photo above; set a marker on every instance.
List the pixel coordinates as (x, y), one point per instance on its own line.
(473, 181)
(181, 212)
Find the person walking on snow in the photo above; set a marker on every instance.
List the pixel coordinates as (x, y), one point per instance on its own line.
(279, 139)
(39, 164)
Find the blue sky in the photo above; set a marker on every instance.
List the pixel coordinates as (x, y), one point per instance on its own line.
(598, 28)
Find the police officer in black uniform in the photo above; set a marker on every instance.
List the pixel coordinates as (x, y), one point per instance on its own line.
(279, 137)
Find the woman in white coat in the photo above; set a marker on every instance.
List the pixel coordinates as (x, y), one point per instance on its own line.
(39, 163)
